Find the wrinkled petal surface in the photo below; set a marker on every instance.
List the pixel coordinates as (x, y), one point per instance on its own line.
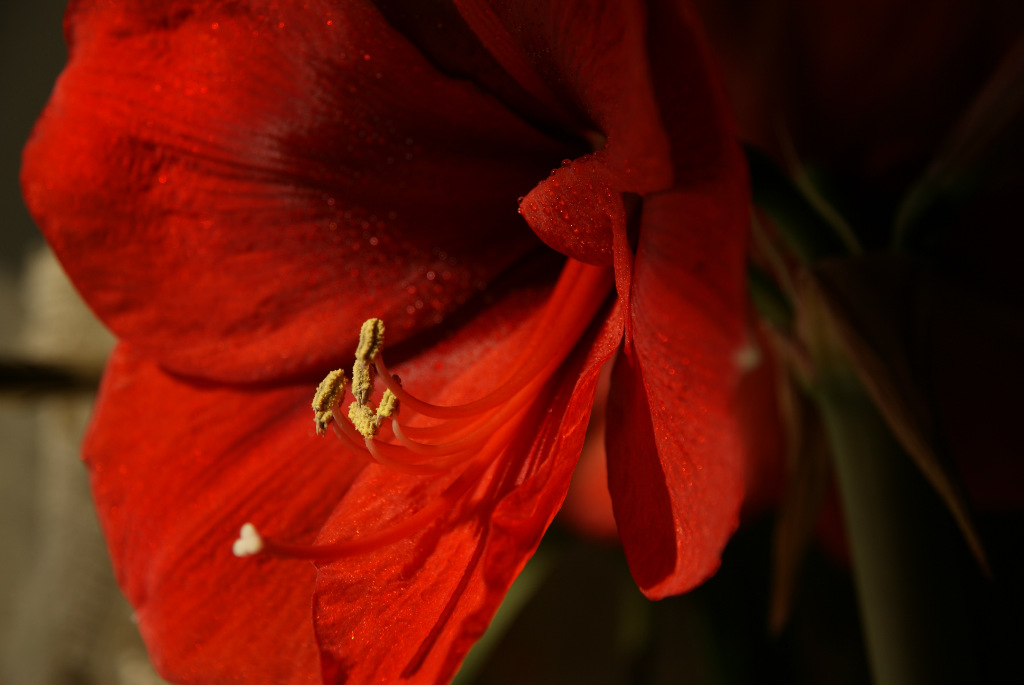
(235, 187)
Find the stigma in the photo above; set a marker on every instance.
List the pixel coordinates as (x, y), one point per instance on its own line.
(405, 433)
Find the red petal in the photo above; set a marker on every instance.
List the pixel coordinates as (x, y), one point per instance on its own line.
(177, 468)
(675, 459)
(577, 210)
(410, 612)
(235, 187)
(590, 58)
(594, 56)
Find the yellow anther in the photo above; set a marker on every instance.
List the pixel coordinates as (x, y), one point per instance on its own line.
(371, 340)
(387, 407)
(362, 381)
(327, 395)
(364, 419)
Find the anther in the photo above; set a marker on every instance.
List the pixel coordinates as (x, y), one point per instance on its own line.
(371, 340)
(248, 543)
(367, 421)
(388, 405)
(327, 394)
(364, 419)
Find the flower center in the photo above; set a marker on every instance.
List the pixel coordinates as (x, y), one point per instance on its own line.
(409, 435)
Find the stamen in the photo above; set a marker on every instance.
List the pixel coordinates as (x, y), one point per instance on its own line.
(327, 393)
(380, 456)
(557, 324)
(481, 431)
(469, 437)
(371, 339)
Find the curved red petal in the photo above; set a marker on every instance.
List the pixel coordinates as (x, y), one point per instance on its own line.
(236, 186)
(675, 458)
(409, 612)
(177, 467)
(578, 210)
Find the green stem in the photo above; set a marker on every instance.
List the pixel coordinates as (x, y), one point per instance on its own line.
(905, 548)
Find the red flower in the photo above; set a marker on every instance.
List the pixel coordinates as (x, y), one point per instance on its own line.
(236, 186)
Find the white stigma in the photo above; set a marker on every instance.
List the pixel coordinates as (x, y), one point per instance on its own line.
(248, 543)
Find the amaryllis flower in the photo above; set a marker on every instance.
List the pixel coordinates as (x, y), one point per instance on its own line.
(235, 187)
